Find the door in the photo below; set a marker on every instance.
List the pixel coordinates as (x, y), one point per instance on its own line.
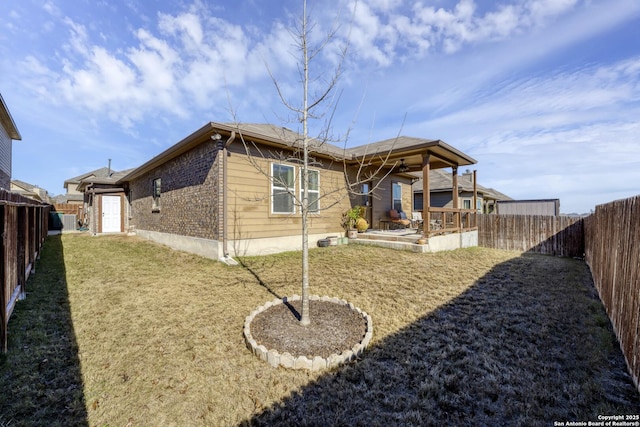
(367, 202)
(111, 214)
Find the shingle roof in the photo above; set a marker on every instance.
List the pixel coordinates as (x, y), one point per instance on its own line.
(98, 173)
(440, 180)
(388, 151)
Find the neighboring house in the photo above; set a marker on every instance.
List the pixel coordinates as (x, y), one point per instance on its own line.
(72, 194)
(206, 195)
(442, 195)
(8, 133)
(104, 207)
(529, 207)
(31, 191)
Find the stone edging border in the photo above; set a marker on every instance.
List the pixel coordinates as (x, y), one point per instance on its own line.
(286, 360)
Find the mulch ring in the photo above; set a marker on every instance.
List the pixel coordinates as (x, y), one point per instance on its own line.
(334, 328)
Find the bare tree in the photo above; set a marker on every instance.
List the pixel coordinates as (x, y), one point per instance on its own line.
(318, 102)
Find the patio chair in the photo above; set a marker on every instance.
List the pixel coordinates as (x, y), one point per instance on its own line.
(416, 220)
(397, 219)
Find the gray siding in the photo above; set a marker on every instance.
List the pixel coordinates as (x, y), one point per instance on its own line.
(5, 159)
(528, 207)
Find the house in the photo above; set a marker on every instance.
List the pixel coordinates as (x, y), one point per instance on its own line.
(72, 194)
(442, 196)
(31, 191)
(529, 207)
(227, 189)
(100, 202)
(8, 134)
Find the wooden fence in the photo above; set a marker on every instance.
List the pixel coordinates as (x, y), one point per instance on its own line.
(70, 209)
(552, 235)
(23, 226)
(612, 250)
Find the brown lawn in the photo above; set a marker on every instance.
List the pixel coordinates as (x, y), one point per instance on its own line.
(119, 331)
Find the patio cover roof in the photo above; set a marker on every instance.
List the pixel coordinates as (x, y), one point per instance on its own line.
(412, 150)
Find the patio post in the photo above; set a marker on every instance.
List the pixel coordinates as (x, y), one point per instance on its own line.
(426, 196)
(475, 199)
(454, 196)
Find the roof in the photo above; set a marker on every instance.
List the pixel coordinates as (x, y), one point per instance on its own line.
(7, 121)
(411, 150)
(440, 180)
(29, 190)
(101, 173)
(384, 152)
(112, 178)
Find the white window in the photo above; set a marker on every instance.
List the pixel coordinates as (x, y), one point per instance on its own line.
(466, 203)
(313, 192)
(157, 190)
(397, 196)
(282, 188)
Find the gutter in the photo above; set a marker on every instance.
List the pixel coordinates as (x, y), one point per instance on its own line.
(226, 258)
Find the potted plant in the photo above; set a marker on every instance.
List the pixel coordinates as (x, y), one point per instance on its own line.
(350, 220)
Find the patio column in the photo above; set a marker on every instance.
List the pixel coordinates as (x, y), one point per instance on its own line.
(454, 186)
(454, 196)
(475, 199)
(426, 196)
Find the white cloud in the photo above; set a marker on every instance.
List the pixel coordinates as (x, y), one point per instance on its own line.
(540, 10)
(384, 29)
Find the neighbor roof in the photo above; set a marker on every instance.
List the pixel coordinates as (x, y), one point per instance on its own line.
(102, 172)
(440, 180)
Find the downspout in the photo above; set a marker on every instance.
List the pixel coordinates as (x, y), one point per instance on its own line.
(225, 243)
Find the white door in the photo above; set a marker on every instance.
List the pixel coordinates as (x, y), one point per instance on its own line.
(111, 214)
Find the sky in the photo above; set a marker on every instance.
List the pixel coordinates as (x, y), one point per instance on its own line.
(544, 94)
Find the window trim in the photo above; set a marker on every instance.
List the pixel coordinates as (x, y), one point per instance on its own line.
(156, 192)
(290, 191)
(311, 211)
(393, 198)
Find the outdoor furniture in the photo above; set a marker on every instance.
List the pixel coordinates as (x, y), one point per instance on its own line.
(416, 220)
(397, 220)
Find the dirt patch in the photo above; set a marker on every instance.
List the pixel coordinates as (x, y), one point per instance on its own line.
(334, 328)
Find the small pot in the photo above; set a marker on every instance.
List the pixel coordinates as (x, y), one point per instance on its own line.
(353, 234)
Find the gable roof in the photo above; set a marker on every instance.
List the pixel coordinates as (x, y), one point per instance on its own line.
(7, 121)
(29, 190)
(387, 151)
(98, 173)
(112, 178)
(440, 180)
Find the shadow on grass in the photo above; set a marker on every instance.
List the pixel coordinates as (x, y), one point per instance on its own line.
(40, 375)
(528, 344)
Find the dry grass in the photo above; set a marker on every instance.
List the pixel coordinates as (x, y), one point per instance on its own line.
(138, 334)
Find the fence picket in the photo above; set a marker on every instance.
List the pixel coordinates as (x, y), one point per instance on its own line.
(612, 252)
(23, 226)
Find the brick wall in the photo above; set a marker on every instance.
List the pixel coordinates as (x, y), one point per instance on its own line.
(189, 198)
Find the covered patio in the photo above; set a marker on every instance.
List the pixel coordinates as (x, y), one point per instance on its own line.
(406, 156)
(432, 228)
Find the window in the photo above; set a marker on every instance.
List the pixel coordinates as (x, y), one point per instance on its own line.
(157, 189)
(282, 188)
(417, 201)
(397, 196)
(466, 204)
(365, 194)
(313, 192)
